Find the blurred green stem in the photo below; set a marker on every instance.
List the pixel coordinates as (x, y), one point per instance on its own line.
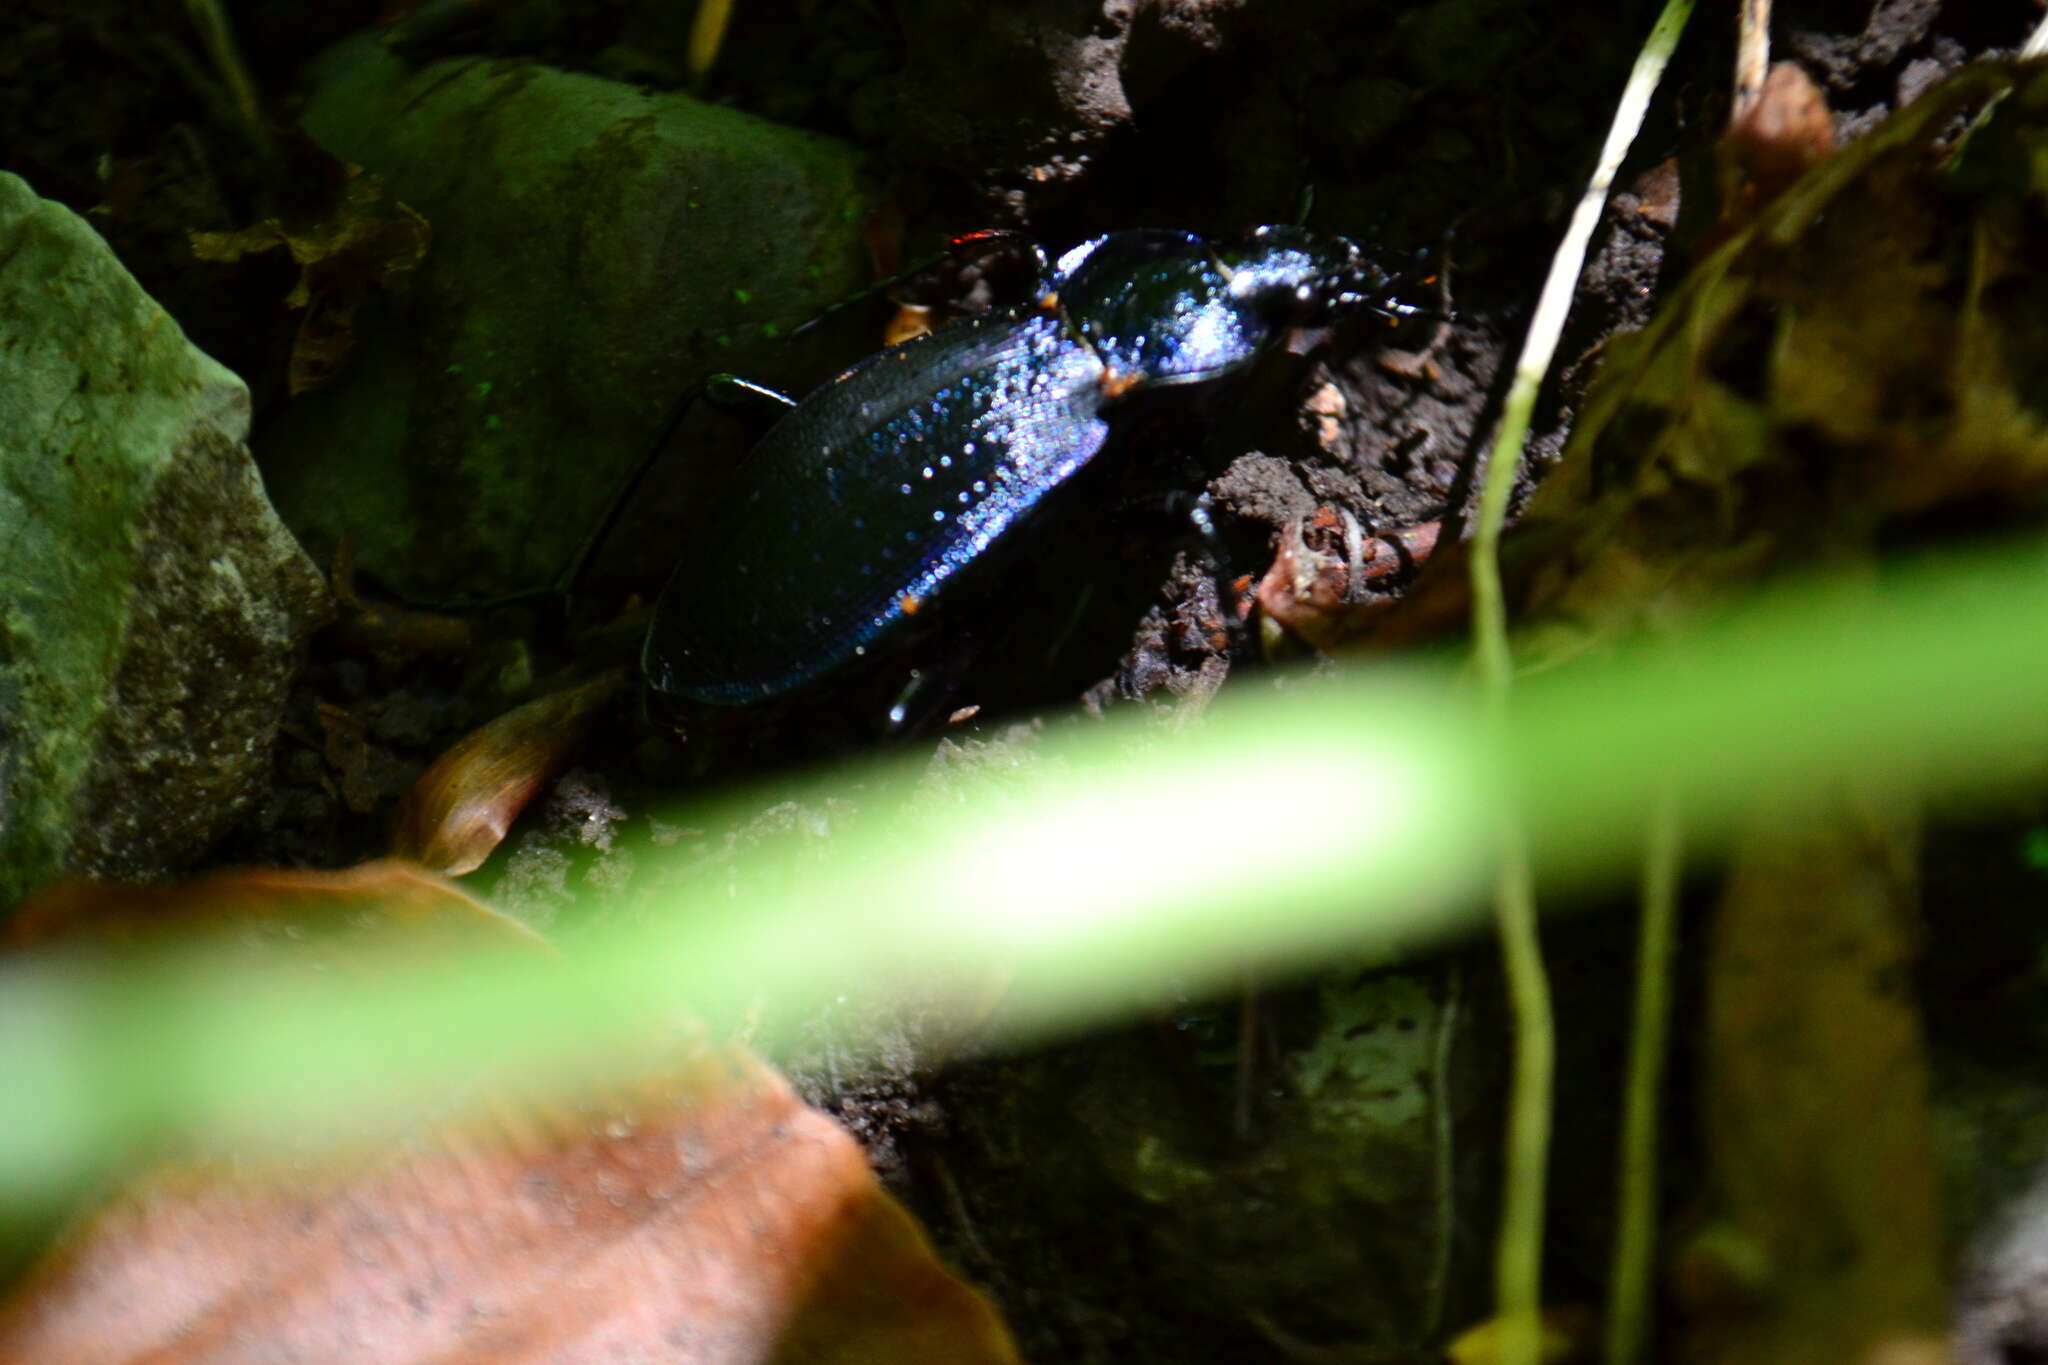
(1635, 1237)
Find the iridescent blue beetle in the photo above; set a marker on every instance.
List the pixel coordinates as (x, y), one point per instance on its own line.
(902, 484)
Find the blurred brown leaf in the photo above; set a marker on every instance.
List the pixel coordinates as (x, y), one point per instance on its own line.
(460, 807)
(707, 1215)
(715, 1218)
(289, 904)
(1826, 1240)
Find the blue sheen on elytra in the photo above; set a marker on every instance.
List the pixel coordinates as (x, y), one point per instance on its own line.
(935, 452)
(760, 620)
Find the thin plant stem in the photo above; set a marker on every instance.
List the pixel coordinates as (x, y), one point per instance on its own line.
(1518, 1261)
(1635, 1199)
(2037, 41)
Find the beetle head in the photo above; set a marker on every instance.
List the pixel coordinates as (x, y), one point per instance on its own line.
(1295, 278)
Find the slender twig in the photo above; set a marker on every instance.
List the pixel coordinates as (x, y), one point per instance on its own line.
(1635, 1200)
(1518, 1261)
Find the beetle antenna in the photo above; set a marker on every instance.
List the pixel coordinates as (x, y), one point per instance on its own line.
(967, 246)
(1422, 272)
(572, 573)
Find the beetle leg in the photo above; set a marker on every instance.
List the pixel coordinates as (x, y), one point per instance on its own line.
(928, 689)
(913, 691)
(1422, 272)
(1201, 519)
(1197, 513)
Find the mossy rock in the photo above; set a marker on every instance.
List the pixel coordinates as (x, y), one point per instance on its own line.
(596, 252)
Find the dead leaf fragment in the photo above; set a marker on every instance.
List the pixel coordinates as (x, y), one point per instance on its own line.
(346, 242)
(714, 1219)
(458, 810)
(1319, 587)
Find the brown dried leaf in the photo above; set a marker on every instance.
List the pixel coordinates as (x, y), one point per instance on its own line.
(458, 810)
(718, 1219)
(347, 243)
(1318, 588)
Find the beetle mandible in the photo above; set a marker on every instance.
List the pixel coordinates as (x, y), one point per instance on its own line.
(899, 485)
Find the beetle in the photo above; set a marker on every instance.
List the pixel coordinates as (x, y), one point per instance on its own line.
(913, 478)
